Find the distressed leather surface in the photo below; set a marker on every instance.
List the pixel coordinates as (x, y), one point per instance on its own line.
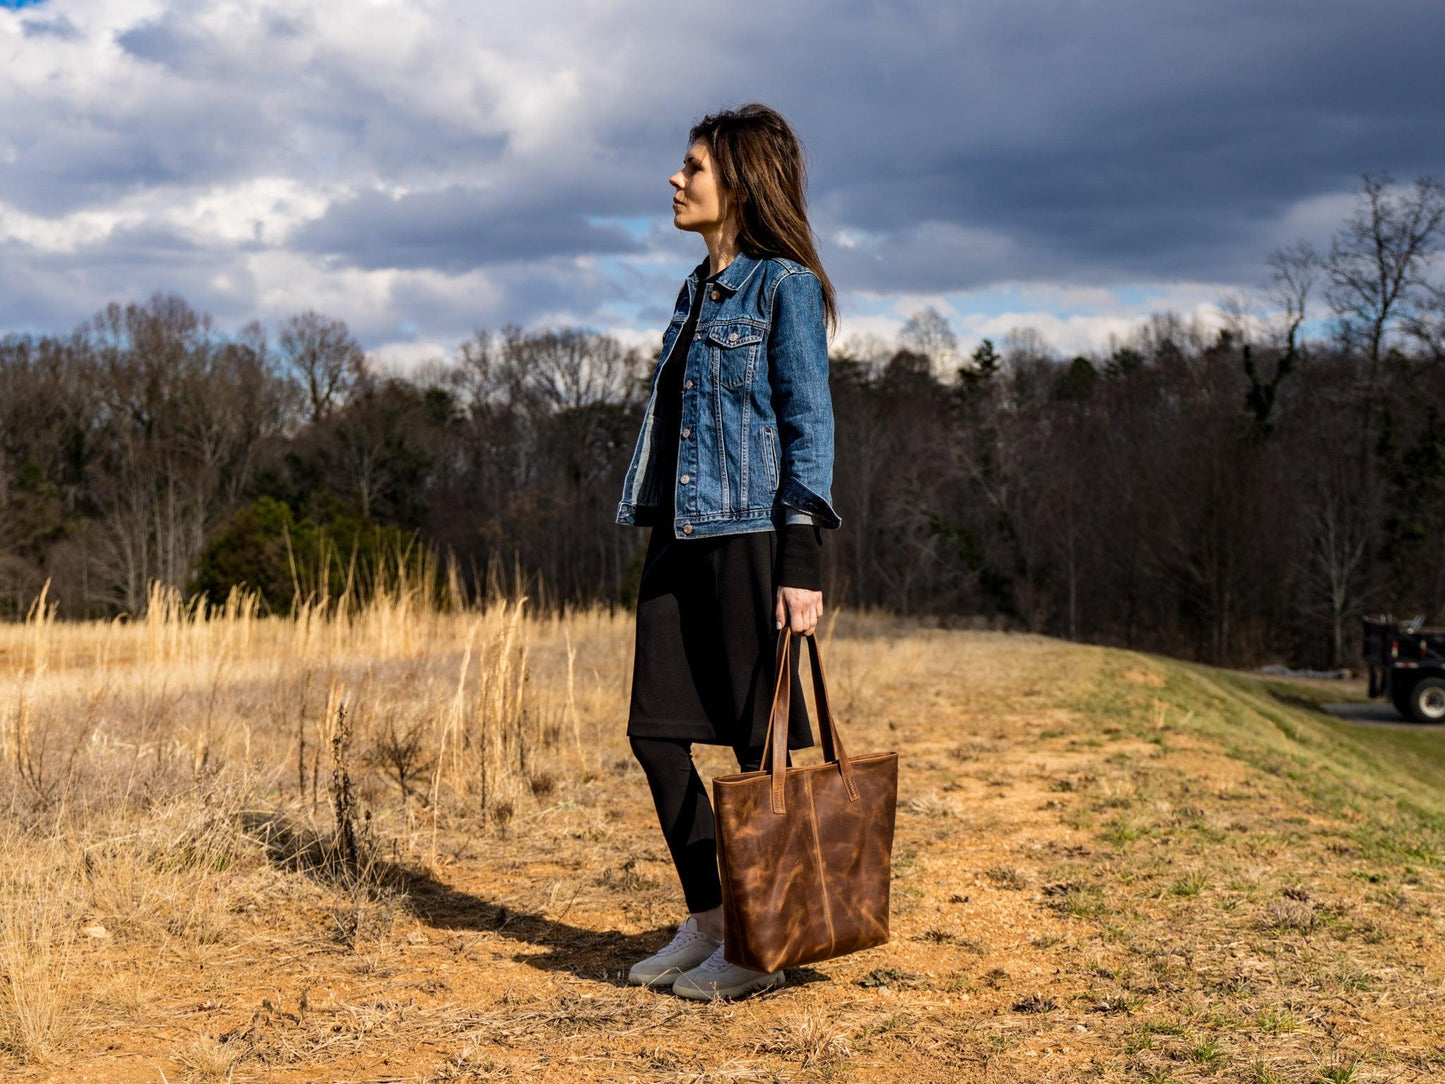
(805, 852)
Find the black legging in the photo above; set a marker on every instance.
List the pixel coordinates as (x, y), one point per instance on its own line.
(685, 813)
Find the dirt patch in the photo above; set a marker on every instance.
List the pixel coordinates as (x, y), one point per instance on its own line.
(1140, 676)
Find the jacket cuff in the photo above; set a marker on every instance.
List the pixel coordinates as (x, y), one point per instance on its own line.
(794, 494)
(800, 556)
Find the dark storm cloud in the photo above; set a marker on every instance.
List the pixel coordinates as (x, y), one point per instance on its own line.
(452, 230)
(1127, 139)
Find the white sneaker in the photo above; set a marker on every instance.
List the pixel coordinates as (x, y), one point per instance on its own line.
(687, 948)
(715, 977)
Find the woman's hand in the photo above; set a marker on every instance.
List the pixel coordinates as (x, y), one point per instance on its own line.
(798, 608)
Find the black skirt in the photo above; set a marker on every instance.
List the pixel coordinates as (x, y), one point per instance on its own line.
(703, 667)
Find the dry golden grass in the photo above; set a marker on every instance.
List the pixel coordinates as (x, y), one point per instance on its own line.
(408, 842)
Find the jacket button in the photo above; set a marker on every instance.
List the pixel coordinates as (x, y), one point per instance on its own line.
(733, 337)
(684, 479)
(716, 296)
(687, 528)
(687, 384)
(686, 432)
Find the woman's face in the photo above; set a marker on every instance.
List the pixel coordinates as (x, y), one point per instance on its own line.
(699, 202)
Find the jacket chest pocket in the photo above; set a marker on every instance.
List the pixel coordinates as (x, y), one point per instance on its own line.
(734, 351)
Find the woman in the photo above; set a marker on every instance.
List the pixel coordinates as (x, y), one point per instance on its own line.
(732, 471)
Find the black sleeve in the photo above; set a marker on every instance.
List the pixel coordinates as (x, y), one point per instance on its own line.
(800, 556)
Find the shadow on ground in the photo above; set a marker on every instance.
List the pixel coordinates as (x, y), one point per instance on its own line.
(597, 955)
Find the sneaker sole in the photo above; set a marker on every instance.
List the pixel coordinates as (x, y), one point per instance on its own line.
(665, 978)
(659, 981)
(754, 987)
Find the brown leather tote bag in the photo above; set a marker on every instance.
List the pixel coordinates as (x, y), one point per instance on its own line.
(805, 853)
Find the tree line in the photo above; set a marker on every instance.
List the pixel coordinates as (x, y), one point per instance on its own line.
(1237, 493)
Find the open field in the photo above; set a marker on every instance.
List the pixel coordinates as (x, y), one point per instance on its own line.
(1108, 866)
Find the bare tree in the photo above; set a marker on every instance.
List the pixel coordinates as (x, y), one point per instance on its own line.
(322, 355)
(1374, 267)
(1024, 346)
(1295, 269)
(1339, 536)
(928, 333)
(1376, 260)
(1427, 322)
(572, 368)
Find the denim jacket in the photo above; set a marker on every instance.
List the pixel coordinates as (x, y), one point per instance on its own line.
(756, 438)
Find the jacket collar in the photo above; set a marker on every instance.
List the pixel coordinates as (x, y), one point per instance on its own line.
(733, 275)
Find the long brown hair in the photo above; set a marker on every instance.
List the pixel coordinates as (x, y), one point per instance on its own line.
(759, 162)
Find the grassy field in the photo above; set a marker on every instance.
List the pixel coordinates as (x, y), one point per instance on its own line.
(412, 845)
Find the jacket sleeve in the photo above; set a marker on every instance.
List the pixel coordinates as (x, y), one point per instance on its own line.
(798, 371)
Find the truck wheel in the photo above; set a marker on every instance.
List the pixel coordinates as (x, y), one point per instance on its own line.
(1427, 700)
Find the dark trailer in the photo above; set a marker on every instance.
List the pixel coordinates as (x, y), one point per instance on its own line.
(1407, 664)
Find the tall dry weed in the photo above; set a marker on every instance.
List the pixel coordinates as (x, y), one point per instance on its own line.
(21, 748)
(41, 1014)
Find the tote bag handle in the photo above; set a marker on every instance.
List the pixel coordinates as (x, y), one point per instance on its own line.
(776, 741)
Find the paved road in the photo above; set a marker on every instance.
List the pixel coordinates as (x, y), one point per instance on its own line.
(1377, 713)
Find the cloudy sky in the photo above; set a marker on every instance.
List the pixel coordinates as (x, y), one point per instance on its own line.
(424, 169)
